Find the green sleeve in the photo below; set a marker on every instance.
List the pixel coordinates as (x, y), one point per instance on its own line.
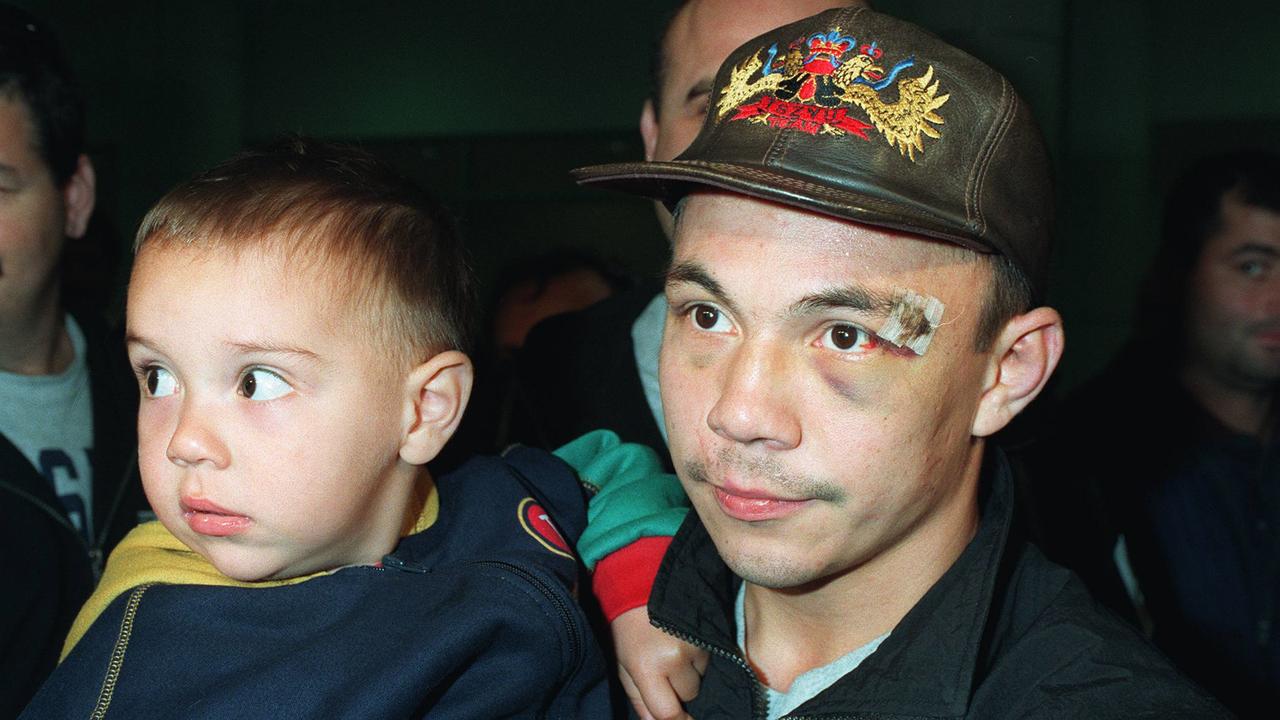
(633, 498)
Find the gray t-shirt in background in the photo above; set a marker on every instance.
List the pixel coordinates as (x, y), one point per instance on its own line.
(49, 418)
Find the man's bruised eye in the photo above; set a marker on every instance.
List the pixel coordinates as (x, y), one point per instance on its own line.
(159, 382)
(709, 318)
(849, 339)
(262, 384)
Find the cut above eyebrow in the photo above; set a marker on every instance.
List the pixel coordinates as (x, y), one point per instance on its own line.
(852, 297)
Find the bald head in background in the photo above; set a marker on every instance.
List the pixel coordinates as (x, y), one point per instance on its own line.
(699, 37)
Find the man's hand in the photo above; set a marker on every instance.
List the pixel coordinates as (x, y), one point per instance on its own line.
(658, 672)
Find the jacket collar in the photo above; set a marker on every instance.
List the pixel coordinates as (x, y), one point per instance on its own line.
(927, 665)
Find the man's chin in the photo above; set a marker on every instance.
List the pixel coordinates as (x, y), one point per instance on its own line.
(776, 567)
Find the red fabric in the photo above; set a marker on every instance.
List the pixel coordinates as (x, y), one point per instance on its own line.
(623, 578)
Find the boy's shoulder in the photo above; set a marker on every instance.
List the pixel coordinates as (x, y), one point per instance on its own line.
(472, 617)
(526, 508)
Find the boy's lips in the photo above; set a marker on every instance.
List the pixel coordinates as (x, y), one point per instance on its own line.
(207, 518)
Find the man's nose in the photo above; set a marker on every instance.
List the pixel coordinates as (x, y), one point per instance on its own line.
(755, 404)
(195, 439)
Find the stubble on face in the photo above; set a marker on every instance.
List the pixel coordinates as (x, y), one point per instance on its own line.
(785, 483)
(1234, 304)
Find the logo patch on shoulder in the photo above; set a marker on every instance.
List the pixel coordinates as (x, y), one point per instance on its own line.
(822, 78)
(535, 521)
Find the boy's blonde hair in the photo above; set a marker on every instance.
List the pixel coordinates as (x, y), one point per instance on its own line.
(384, 244)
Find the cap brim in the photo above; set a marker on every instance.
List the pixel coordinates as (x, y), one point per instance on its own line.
(672, 180)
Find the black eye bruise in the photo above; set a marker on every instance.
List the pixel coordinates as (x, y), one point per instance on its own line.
(152, 380)
(705, 317)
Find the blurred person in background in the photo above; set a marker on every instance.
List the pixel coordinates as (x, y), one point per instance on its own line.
(1160, 483)
(599, 367)
(68, 488)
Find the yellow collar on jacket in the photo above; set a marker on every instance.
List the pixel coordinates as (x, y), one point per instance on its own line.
(151, 554)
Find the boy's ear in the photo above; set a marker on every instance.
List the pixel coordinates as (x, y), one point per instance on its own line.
(1022, 359)
(436, 396)
(78, 196)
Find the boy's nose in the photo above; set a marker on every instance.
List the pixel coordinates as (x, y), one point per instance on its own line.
(195, 441)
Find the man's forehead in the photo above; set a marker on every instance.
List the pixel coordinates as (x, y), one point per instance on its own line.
(720, 215)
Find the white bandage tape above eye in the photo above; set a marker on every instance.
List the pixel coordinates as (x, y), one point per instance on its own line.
(913, 321)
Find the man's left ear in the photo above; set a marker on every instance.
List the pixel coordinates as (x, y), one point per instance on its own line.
(79, 195)
(436, 396)
(1022, 359)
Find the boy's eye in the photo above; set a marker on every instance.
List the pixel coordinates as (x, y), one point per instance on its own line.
(848, 339)
(709, 318)
(261, 384)
(159, 382)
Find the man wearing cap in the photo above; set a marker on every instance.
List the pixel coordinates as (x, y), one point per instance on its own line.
(861, 239)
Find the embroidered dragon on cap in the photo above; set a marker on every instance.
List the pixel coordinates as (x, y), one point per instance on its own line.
(823, 74)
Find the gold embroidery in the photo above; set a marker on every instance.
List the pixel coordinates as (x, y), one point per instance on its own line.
(903, 123)
(740, 88)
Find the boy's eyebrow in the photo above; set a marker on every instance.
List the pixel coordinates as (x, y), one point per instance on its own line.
(272, 348)
(133, 338)
(695, 274)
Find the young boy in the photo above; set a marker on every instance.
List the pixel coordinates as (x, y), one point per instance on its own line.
(296, 322)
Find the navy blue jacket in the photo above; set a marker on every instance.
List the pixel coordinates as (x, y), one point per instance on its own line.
(471, 618)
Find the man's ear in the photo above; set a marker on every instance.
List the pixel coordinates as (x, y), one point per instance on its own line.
(436, 396)
(1022, 359)
(649, 129)
(79, 195)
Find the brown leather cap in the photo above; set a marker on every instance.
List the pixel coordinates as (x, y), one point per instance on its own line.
(858, 115)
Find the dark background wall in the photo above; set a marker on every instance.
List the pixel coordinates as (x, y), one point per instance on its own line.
(490, 104)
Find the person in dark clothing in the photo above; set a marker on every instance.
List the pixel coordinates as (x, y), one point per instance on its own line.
(1183, 528)
(68, 488)
(862, 234)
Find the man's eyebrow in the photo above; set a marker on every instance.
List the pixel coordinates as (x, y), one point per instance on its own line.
(695, 274)
(1256, 248)
(850, 297)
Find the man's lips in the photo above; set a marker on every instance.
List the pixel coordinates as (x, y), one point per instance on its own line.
(207, 518)
(754, 505)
